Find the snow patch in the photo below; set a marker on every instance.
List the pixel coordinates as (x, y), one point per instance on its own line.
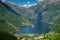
(27, 5)
(3, 0)
(40, 0)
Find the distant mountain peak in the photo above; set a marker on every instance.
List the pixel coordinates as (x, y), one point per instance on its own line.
(11, 3)
(28, 5)
(3, 0)
(41, 0)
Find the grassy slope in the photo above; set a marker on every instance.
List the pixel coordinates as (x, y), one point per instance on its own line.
(11, 20)
(52, 14)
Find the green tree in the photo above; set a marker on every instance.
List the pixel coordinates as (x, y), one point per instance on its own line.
(7, 36)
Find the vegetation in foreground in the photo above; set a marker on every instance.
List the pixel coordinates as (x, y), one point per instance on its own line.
(7, 36)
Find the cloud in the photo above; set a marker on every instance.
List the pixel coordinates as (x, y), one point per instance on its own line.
(11, 2)
(3, 0)
(40, 0)
(28, 5)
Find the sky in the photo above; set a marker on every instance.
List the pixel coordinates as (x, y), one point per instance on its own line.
(21, 2)
(25, 3)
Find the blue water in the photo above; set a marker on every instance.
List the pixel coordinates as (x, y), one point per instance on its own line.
(37, 30)
(26, 30)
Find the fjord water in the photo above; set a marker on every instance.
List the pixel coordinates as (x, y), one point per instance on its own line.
(37, 30)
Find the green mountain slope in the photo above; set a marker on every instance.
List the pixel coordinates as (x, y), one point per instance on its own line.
(12, 22)
(52, 14)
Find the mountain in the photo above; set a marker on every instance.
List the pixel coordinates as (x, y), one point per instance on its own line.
(53, 13)
(42, 16)
(40, 26)
(52, 16)
(34, 15)
(35, 19)
(10, 20)
(4, 24)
